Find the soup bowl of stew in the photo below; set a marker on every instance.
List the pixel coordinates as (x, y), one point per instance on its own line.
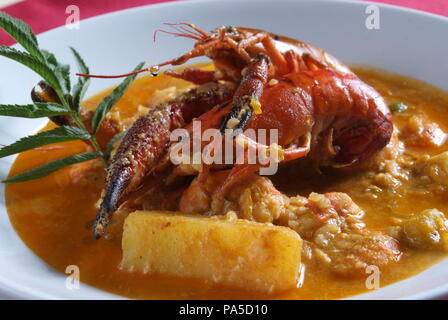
(355, 208)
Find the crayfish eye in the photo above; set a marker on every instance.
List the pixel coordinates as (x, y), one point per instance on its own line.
(232, 30)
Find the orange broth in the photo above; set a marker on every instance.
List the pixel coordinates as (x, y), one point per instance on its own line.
(53, 215)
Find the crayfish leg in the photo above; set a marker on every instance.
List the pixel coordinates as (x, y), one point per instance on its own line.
(241, 171)
(276, 56)
(270, 48)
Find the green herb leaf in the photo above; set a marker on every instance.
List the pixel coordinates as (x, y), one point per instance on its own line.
(112, 142)
(398, 107)
(60, 134)
(50, 167)
(34, 64)
(22, 33)
(107, 103)
(37, 110)
(57, 76)
(62, 71)
(80, 88)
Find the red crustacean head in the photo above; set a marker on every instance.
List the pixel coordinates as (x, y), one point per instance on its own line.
(220, 45)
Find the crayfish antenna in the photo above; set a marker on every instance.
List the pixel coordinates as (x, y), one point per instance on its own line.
(184, 29)
(114, 76)
(154, 70)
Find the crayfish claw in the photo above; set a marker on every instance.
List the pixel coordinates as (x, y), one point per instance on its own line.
(143, 149)
(99, 226)
(249, 90)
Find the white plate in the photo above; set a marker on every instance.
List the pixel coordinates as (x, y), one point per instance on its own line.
(408, 42)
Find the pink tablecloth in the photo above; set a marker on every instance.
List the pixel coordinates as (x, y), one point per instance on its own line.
(44, 15)
(434, 6)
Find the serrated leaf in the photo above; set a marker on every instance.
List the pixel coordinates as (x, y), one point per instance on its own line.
(50, 167)
(108, 102)
(62, 71)
(34, 64)
(59, 134)
(78, 92)
(80, 88)
(32, 111)
(22, 33)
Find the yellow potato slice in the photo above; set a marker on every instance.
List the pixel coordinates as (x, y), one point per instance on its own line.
(228, 251)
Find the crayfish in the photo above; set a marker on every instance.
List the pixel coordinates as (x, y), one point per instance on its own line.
(320, 108)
